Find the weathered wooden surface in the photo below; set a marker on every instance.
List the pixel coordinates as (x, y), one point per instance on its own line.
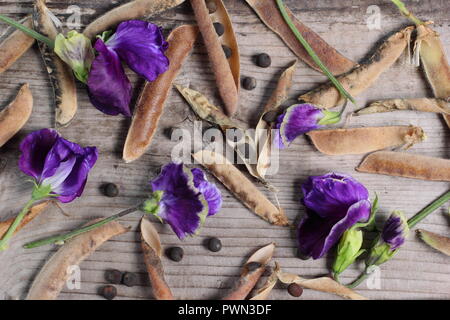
(416, 272)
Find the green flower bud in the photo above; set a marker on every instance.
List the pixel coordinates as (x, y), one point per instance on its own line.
(349, 248)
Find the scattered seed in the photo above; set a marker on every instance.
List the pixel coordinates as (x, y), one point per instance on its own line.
(302, 256)
(220, 29)
(249, 83)
(108, 292)
(295, 290)
(113, 276)
(130, 279)
(211, 5)
(263, 60)
(270, 116)
(227, 51)
(111, 190)
(214, 244)
(175, 254)
(252, 266)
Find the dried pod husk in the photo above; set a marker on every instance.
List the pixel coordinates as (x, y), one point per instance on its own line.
(16, 114)
(419, 104)
(249, 278)
(151, 101)
(264, 292)
(152, 250)
(435, 241)
(406, 165)
(242, 188)
(365, 140)
(269, 13)
(51, 279)
(324, 284)
(60, 74)
(14, 44)
(32, 213)
(364, 75)
(132, 10)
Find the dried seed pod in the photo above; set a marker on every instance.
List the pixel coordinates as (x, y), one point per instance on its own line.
(132, 10)
(242, 188)
(16, 114)
(435, 241)
(53, 275)
(365, 140)
(60, 74)
(420, 104)
(406, 165)
(269, 13)
(364, 75)
(150, 104)
(14, 44)
(264, 292)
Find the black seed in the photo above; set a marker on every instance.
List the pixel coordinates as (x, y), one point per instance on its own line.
(175, 254)
(108, 292)
(111, 190)
(302, 256)
(270, 116)
(130, 279)
(249, 83)
(263, 60)
(211, 5)
(295, 290)
(252, 266)
(220, 29)
(227, 51)
(113, 276)
(214, 245)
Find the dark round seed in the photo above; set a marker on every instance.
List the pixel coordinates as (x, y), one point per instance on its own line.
(220, 29)
(108, 292)
(249, 83)
(111, 190)
(295, 290)
(263, 60)
(302, 256)
(270, 116)
(211, 5)
(130, 279)
(227, 51)
(252, 266)
(113, 276)
(175, 254)
(214, 244)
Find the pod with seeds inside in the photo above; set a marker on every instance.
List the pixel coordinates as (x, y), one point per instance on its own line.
(419, 104)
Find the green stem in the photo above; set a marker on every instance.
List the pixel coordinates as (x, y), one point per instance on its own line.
(362, 277)
(401, 6)
(311, 52)
(60, 239)
(30, 32)
(4, 242)
(429, 209)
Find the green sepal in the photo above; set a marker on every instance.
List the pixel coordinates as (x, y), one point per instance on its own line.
(369, 225)
(330, 117)
(41, 192)
(151, 205)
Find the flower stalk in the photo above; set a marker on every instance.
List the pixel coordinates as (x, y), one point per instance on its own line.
(401, 6)
(30, 32)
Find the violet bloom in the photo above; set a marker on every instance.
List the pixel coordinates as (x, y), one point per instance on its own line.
(300, 119)
(335, 202)
(183, 198)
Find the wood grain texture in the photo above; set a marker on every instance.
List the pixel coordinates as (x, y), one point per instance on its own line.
(416, 272)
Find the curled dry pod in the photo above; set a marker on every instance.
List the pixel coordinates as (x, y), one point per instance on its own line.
(242, 188)
(269, 13)
(435, 241)
(249, 278)
(364, 140)
(60, 74)
(364, 75)
(132, 10)
(150, 104)
(53, 275)
(32, 213)
(406, 165)
(419, 104)
(14, 44)
(151, 247)
(264, 292)
(324, 284)
(16, 114)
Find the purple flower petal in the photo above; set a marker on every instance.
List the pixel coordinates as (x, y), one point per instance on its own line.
(209, 190)
(108, 86)
(395, 230)
(141, 45)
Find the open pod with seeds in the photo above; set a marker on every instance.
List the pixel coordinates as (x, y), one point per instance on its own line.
(60, 74)
(152, 250)
(135, 9)
(264, 292)
(151, 101)
(16, 114)
(363, 76)
(251, 272)
(365, 140)
(406, 165)
(225, 70)
(419, 104)
(51, 279)
(13, 44)
(435, 241)
(242, 188)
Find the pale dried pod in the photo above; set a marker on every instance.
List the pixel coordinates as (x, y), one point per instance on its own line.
(419, 104)
(435, 241)
(34, 211)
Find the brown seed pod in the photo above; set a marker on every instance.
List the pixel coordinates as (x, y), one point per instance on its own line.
(435, 241)
(150, 104)
(364, 75)
(269, 13)
(365, 140)
(14, 45)
(16, 114)
(406, 165)
(420, 104)
(132, 10)
(54, 274)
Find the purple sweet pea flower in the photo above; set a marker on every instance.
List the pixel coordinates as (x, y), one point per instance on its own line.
(56, 164)
(395, 230)
(334, 202)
